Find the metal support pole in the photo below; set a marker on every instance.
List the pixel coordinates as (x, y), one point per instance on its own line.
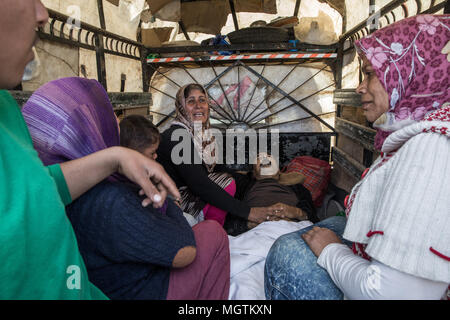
(99, 48)
(287, 96)
(183, 28)
(233, 13)
(297, 7)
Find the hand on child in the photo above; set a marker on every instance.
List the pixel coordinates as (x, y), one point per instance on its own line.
(149, 175)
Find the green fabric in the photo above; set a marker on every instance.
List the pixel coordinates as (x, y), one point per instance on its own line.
(56, 172)
(38, 250)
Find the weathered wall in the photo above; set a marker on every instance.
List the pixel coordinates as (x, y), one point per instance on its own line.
(58, 60)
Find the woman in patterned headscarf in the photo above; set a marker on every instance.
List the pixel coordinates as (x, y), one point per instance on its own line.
(205, 185)
(398, 214)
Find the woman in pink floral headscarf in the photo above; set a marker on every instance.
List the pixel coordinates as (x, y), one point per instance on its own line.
(397, 233)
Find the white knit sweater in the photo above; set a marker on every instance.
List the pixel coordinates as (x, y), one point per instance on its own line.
(408, 200)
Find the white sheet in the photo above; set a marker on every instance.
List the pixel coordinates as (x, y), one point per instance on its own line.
(248, 253)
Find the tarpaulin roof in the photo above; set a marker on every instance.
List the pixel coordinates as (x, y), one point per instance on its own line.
(209, 16)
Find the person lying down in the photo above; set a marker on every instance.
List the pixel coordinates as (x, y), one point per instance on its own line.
(267, 186)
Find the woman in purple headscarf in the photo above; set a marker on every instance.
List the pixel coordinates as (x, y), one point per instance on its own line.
(130, 251)
(397, 239)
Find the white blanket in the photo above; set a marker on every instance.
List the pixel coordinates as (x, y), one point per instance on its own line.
(248, 253)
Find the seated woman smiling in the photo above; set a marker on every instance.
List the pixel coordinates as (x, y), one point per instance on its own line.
(206, 187)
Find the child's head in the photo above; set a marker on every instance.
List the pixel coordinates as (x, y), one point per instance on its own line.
(140, 134)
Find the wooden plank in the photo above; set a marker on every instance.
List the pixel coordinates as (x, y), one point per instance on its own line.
(347, 97)
(363, 135)
(119, 100)
(350, 165)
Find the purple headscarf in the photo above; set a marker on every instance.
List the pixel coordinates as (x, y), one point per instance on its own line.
(70, 118)
(412, 60)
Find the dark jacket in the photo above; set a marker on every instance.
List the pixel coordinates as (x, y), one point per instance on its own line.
(194, 175)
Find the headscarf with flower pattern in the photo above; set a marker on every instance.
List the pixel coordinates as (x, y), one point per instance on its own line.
(202, 137)
(412, 60)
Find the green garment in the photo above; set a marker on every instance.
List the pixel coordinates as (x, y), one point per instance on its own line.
(39, 257)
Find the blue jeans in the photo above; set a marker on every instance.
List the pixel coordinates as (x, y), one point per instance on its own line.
(292, 272)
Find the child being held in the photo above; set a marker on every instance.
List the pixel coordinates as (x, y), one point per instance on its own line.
(140, 134)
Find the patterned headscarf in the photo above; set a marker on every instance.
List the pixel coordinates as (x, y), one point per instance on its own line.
(412, 60)
(70, 118)
(202, 137)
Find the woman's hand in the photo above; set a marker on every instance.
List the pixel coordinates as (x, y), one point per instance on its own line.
(148, 174)
(260, 214)
(84, 173)
(287, 212)
(318, 238)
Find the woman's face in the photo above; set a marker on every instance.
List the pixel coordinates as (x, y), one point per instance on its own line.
(19, 20)
(197, 107)
(374, 98)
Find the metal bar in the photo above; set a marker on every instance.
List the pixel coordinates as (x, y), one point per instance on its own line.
(101, 14)
(290, 121)
(298, 103)
(124, 55)
(239, 93)
(159, 72)
(270, 46)
(46, 36)
(233, 13)
(386, 9)
(166, 94)
(228, 116)
(86, 41)
(99, 48)
(254, 90)
(145, 72)
(163, 114)
(290, 98)
(287, 75)
(405, 10)
(171, 115)
(61, 17)
(164, 119)
(183, 29)
(224, 93)
(419, 6)
(291, 92)
(297, 7)
(436, 8)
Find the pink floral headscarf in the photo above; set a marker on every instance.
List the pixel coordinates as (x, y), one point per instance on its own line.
(412, 60)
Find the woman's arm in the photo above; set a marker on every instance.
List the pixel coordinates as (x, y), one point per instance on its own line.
(82, 174)
(360, 279)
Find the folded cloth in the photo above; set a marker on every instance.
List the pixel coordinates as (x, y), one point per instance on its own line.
(248, 253)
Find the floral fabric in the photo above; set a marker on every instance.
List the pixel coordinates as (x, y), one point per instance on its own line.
(412, 60)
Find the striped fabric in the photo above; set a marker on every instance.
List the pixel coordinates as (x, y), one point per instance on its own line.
(192, 204)
(70, 118)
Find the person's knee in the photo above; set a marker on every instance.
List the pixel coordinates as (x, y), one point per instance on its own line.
(210, 229)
